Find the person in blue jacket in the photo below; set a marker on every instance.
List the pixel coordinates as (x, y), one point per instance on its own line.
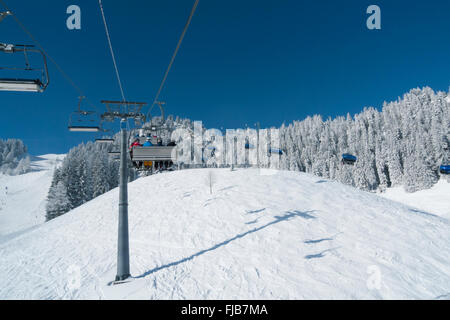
(148, 143)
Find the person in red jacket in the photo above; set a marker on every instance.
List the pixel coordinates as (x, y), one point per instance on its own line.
(136, 143)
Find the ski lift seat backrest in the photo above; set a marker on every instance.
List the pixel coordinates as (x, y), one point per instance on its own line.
(155, 153)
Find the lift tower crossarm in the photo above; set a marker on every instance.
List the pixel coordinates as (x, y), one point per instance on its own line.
(123, 110)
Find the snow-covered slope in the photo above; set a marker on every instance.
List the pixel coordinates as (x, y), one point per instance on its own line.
(435, 200)
(22, 198)
(283, 236)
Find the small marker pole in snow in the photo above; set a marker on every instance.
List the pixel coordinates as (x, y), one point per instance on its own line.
(123, 251)
(257, 144)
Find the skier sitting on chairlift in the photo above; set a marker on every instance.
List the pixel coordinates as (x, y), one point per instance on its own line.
(148, 143)
(136, 143)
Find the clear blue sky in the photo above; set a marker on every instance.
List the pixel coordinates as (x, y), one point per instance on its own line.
(241, 61)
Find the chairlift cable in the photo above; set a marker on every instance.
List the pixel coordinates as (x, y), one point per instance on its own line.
(111, 50)
(194, 8)
(37, 43)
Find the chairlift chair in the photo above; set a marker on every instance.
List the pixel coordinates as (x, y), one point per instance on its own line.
(276, 151)
(444, 169)
(115, 155)
(104, 140)
(82, 121)
(348, 159)
(271, 151)
(84, 129)
(158, 157)
(21, 84)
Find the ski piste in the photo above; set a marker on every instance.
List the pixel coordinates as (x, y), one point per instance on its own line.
(259, 235)
(262, 151)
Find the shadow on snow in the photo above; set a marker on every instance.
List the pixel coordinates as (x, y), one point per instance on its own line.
(289, 215)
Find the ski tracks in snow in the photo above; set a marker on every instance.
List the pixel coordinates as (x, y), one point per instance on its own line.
(256, 237)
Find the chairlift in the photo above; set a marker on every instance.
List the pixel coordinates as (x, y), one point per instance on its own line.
(348, 159)
(444, 169)
(249, 146)
(104, 140)
(276, 151)
(84, 129)
(155, 157)
(24, 84)
(83, 121)
(115, 155)
(160, 156)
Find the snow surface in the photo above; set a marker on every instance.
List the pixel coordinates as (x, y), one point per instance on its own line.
(286, 235)
(23, 197)
(434, 200)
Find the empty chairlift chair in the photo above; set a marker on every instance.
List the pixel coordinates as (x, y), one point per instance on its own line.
(83, 121)
(79, 122)
(444, 169)
(348, 159)
(276, 151)
(104, 140)
(20, 81)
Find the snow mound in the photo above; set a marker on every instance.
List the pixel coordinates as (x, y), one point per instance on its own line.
(286, 235)
(435, 200)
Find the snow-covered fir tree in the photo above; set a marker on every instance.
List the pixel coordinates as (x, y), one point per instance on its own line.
(14, 159)
(57, 201)
(403, 144)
